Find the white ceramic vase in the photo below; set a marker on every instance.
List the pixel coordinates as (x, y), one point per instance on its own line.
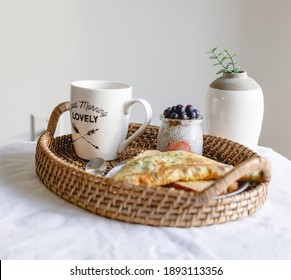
(235, 109)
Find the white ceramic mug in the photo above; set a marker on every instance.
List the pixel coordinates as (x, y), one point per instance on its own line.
(100, 112)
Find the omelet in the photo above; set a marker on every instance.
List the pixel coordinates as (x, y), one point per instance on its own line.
(162, 168)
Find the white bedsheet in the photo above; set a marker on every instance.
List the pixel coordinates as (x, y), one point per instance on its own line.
(37, 224)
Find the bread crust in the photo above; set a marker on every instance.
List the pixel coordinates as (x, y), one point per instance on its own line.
(200, 186)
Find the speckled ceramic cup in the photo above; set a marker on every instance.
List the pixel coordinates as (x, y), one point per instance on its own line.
(175, 134)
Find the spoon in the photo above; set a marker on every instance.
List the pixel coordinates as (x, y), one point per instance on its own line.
(96, 166)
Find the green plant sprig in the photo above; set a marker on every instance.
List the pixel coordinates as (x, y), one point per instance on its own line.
(225, 60)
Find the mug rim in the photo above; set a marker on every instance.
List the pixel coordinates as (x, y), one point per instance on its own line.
(100, 85)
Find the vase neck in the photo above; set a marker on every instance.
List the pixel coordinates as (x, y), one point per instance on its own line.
(238, 75)
(235, 82)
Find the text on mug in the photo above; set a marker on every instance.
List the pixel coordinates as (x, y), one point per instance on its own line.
(89, 107)
(84, 118)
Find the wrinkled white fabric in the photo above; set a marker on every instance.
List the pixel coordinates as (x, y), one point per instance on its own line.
(37, 224)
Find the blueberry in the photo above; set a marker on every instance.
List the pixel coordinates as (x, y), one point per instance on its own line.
(189, 108)
(180, 108)
(183, 116)
(167, 112)
(174, 115)
(197, 112)
(192, 115)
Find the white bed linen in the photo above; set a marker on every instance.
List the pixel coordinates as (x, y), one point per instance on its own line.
(37, 224)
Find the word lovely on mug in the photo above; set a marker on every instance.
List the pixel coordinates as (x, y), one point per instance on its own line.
(100, 112)
(84, 117)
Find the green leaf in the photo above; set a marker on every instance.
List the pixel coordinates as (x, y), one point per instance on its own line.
(216, 64)
(212, 57)
(210, 51)
(224, 58)
(214, 49)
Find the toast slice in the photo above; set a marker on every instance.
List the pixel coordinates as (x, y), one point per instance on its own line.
(200, 186)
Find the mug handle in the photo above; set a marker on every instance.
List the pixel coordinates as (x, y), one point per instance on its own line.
(123, 145)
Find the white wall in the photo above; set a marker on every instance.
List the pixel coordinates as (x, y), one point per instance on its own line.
(159, 46)
(266, 54)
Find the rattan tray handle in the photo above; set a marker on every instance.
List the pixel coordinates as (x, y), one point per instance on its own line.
(55, 115)
(242, 171)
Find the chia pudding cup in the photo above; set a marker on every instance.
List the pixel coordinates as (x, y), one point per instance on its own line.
(176, 134)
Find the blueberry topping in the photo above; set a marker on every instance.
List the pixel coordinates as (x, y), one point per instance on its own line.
(181, 112)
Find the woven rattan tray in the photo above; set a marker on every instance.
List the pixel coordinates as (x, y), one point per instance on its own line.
(63, 172)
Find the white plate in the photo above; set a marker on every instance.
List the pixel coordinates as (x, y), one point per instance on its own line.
(241, 188)
(115, 169)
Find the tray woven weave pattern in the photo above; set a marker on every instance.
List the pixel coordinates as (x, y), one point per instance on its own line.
(63, 172)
